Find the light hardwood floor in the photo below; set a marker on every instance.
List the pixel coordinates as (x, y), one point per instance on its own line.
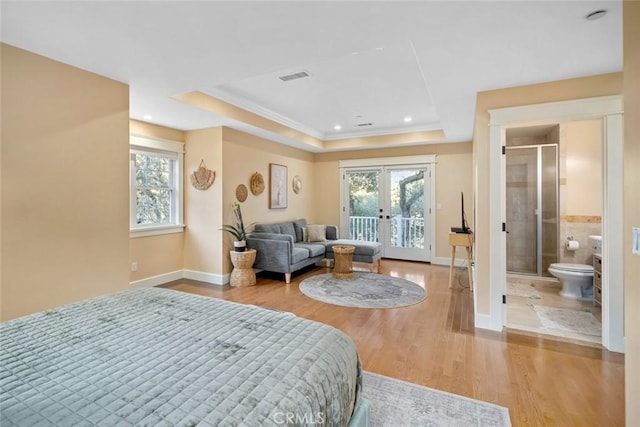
(433, 343)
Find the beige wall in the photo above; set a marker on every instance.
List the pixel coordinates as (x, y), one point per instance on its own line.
(150, 130)
(586, 87)
(453, 175)
(581, 168)
(156, 255)
(203, 251)
(245, 154)
(631, 10)
(65, 138)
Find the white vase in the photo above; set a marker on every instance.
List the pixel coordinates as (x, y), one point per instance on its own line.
(240, 245)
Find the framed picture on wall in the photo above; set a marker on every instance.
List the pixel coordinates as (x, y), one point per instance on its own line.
(277, 186)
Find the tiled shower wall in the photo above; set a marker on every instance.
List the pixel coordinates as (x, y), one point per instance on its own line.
(521, 202)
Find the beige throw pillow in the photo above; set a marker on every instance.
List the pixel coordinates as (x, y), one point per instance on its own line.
(316, 233)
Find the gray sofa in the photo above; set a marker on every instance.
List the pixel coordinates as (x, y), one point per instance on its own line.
(280, 247)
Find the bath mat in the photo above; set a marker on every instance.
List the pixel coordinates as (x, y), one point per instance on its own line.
(526, 290)
(566, 319)
(364, 290)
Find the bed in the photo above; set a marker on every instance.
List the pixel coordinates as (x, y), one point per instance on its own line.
(162, 357)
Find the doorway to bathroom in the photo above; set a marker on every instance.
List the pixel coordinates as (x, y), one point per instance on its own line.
(553, 188)
(609, 111)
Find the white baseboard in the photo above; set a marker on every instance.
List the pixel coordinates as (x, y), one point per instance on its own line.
(157, 280)
(214, 279)
(459, 262)
(161, 279)
(616, 345)
(484, 321)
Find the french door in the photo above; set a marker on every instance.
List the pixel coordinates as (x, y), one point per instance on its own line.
(390, 205)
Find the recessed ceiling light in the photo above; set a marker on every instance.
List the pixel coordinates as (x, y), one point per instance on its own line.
(407, 119)
(596, 15)
(147, 117)
(337, 127)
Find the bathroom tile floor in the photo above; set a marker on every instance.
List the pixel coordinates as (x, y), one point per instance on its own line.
(573, 320)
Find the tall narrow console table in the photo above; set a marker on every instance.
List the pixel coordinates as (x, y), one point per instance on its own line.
(460, 239)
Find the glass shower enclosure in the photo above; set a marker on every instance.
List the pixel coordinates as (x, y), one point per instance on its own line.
(532, 208)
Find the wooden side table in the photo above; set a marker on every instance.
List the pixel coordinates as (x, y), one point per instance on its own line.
(343, 266)
(460, 239)
(243, 274)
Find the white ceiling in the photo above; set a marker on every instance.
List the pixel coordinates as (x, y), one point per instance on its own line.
(368, 62)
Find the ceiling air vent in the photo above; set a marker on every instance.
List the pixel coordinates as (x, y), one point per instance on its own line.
(294, 76)
(364, 124)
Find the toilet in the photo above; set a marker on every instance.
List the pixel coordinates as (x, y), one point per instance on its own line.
(576, 279)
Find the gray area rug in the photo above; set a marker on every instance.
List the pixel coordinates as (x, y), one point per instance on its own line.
(399, 403)
(364, 290)
(566, 319)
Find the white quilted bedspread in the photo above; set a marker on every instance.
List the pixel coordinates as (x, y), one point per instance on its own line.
(160, 357)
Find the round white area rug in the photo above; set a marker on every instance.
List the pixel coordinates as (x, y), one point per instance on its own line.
(364, 290)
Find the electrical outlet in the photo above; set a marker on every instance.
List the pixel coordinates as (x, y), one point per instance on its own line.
(635, 248)
(134, 266)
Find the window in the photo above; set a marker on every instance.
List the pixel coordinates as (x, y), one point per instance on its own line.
(155, 186)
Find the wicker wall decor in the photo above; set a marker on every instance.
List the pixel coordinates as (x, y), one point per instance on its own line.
(241, 192)
(203, 178)
(296, 184)
(256, 183)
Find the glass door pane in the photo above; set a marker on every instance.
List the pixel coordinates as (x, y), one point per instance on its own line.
(364, 207)
(549, 158)
(522, 203)
(405, 219)
(389, 205)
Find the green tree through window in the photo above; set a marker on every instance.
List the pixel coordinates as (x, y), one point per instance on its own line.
(155, 186)
(154, 189)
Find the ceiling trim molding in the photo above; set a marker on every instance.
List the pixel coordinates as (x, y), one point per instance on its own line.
(388, 161)
(577, 109)
(264, 112)
(293, 124)
(210, 103)
(384, 132)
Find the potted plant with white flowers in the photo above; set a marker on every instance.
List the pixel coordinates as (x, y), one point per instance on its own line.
(237, 231)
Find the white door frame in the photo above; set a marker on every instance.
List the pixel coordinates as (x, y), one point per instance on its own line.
(610, 110)
(408, 161)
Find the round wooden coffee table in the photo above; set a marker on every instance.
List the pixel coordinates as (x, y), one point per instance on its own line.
(343, 266)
